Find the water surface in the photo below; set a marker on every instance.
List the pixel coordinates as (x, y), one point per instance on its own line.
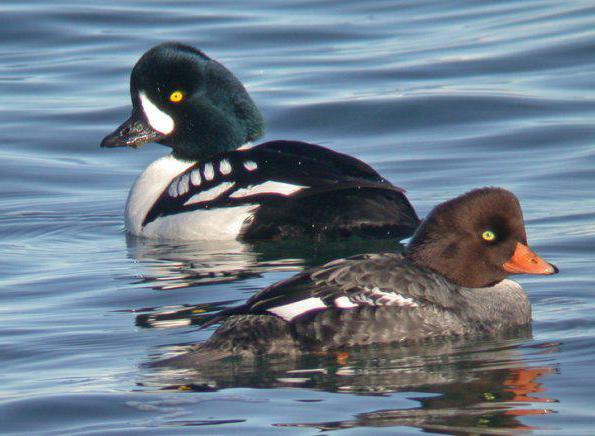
(440, 97)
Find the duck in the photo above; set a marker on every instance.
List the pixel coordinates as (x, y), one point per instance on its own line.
(450, 280)
(217, 185)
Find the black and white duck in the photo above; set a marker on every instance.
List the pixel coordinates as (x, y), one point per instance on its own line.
(217, 185)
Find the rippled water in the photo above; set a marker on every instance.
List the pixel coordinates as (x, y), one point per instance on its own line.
(439, 97)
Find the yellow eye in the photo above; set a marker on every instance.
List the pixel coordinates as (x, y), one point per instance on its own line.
(176, 96)
(488, 235)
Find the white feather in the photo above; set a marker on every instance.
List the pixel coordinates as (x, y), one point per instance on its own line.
(382, 298)
(250, 165)
(195, 177)
(173, 190)
(268, 188)
(183, 184)
(213, 224)
(344, 303)
(292, 310)
(209, 172)
(210, 194)
(225, 167)
(158, 119)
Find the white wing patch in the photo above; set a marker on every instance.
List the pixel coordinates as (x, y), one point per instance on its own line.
(210, 194)
(225, 167)
(268, 188)
(377, 297)
(371, 297)
(250, 165)
(173, 189)
(179, 186)
(195, 177)
(344, 303)
(209, 173)
(292, 310)
(184, 184)
(158, 119)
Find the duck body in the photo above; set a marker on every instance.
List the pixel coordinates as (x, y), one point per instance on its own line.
(451, 280)
(213, 187)
(274, 190)
(365, 300)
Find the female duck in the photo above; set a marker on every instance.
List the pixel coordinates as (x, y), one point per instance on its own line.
(451, 281)
(216, 186)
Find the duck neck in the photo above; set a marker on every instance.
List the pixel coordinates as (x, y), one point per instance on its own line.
(204, 153)
(191, 146)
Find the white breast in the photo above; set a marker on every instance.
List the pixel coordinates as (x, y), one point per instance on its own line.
(215, 224)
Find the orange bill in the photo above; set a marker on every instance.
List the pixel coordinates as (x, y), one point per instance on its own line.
(526, 261)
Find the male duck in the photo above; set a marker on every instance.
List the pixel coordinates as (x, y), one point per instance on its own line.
(450, 281)
(215, 185)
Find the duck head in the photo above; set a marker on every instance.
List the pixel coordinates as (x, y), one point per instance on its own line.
(183, 99)
(476, 240)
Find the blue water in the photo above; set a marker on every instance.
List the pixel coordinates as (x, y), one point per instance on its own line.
(440, 97)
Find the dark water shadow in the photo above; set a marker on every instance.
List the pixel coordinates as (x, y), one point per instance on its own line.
(481, 385)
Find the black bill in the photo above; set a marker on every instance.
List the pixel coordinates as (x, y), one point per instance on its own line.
(134, 132)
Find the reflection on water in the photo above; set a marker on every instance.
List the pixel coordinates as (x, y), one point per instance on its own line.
(170, 265)
(472, 385)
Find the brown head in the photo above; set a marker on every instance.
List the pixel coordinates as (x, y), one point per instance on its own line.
(476, 240)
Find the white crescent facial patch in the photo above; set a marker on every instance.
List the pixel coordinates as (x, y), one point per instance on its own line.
(159, 120)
